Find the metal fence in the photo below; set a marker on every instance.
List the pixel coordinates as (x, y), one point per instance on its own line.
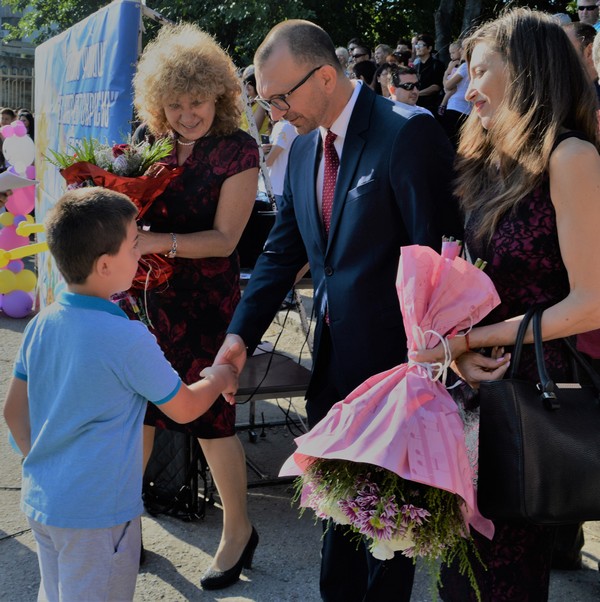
(17, 91)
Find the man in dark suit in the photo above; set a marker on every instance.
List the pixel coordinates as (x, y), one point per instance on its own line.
(392, 189)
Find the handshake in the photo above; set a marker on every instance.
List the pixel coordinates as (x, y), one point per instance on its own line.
(228, 364)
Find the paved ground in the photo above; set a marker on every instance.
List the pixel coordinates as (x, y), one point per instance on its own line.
(287, 559)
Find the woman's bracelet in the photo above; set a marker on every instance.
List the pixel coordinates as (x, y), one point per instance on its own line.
(173, 252)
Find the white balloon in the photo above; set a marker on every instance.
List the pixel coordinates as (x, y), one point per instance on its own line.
(19, 151)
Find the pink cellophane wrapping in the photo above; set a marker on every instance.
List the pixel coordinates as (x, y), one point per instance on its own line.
(401, 419)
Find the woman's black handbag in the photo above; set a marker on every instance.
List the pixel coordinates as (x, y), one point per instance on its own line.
(539, 444)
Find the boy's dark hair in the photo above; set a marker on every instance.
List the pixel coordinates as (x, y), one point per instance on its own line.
(8, 111)
(85, 224)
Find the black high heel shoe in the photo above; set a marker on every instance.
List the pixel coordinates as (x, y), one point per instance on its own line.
(219, 579)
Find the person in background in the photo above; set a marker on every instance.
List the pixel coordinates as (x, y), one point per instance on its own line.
(282, 136)
(27, 118)
(186, 88)
(348, 218)
(76, 415)
(383, 76)
(431, 74)
(364, 71)
(7, 116)
(261, 119)
(588, 12)
(343, 57)
(404, 89)
(380, 53)
(455, 58)
(582, 37)
(528, 176)
(458, 107)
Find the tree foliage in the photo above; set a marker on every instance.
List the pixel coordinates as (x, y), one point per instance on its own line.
(240, 25)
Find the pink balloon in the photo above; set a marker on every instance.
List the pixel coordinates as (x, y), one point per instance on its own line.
(30, 172)
(7, 131)
(19, 128)
(15, 265)
(17, 304)
(9, 239)
(22, 201)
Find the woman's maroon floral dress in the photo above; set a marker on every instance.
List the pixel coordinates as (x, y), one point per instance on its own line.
(191, 314)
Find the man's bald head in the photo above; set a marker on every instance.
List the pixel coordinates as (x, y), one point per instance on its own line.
(306, 42)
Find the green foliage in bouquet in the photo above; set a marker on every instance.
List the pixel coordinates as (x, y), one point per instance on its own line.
(131, 160)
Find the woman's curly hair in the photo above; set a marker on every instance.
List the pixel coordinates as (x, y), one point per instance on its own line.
(183, 59)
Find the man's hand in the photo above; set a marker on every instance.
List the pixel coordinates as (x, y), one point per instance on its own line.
(233, 352)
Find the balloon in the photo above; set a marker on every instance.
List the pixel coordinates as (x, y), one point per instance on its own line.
(17, 304)
(15, 266)
(6, 219)
(25, 281)
(1, 297)
(23, 251)
(7, 130)
(19, 128)
(18, 219)
(22, 201)
(7, 281)
(9, 239)
(30, 172)
(19, 152)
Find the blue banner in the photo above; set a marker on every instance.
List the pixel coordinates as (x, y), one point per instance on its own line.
(83, 89)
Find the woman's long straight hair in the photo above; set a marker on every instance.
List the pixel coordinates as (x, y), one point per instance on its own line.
(547, 92)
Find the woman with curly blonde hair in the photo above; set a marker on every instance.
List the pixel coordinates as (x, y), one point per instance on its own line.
(186, 88)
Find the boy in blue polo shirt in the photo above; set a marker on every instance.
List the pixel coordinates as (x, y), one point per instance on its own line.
(76, 404)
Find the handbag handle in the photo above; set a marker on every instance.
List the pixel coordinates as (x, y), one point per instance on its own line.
(518, 346)
(546, 384)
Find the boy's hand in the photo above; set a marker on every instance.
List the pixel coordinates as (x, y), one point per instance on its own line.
(233, 353)
(227, 377)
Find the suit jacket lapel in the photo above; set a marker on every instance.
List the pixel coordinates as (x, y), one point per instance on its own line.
(351, 153)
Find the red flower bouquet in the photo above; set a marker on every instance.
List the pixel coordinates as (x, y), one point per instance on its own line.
(132, 169)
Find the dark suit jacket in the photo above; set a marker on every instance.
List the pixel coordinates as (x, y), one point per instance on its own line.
(393, 189)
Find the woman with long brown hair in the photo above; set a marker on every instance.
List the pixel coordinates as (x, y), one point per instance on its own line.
(529, 180)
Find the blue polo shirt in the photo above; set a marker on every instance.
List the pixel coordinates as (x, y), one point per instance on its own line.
(89, 372)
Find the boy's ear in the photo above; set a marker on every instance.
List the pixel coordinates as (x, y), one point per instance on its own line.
(102, 265)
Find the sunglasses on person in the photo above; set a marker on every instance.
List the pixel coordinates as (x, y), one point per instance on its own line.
(590, 7)
(357, 56)
(279, 101)
(408, 86)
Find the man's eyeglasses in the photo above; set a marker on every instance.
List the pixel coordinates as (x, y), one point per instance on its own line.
(420, 45)
(357, 56)
(279, 101)
(590, 7)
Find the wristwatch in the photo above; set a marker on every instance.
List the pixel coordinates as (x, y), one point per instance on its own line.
(173, 252)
